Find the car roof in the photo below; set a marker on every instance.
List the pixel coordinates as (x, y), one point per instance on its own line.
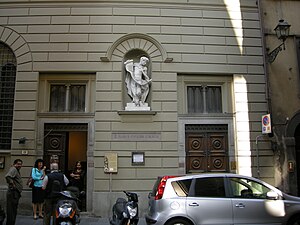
(191, 176)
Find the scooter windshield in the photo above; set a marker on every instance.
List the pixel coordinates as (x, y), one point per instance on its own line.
(68, 194)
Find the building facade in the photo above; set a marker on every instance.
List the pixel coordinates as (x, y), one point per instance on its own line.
(68, 94)
(283, 91)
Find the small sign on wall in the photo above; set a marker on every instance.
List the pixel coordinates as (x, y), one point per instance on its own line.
(266, 124)
(138, 158)
(111, 162)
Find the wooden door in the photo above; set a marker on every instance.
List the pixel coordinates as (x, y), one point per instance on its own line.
(55, 143)
(206, 152)
(297, 150)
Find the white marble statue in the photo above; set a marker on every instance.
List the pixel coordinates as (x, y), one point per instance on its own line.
(137, 81)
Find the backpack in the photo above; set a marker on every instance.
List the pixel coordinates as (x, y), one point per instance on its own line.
(56, 187)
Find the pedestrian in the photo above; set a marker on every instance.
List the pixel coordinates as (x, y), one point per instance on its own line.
(38, 174)
(77, 176)
(52, 196)
(77, 179)
(2, 215)
(15, 187)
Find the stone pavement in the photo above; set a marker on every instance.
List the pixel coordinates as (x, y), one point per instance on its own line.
(85, 220)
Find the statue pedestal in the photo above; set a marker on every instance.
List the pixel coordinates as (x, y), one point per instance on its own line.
(132, 107)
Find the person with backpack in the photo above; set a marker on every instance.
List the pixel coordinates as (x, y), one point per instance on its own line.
(53, 183)
(2, 215)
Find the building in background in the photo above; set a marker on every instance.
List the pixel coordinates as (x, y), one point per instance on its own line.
(282, 73)
(64, 91)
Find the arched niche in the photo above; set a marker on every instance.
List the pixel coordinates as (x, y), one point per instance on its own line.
(143, 42)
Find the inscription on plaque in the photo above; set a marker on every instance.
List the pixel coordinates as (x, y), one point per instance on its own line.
(136, 136)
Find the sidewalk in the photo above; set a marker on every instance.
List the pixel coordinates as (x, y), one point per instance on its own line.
(85, 220)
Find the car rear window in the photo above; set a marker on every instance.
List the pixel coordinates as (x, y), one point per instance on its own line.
(182, 187)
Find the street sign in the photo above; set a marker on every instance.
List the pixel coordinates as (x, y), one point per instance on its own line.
(266, 124)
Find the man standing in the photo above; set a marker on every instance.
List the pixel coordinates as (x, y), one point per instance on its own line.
(15, 187)
(51, 196)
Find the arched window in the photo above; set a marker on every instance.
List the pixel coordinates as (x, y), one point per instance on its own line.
(7, 93)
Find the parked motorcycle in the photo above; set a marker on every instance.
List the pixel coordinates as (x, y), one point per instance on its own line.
(67, 212)
(126, 212)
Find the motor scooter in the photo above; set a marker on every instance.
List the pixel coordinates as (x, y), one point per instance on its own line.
(126, 212)
(66, 211)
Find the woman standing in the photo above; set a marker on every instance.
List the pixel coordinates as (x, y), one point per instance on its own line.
(38, 174)
(77, 179)
(78, 176)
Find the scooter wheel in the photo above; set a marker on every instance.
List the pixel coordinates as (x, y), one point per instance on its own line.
(134, 222)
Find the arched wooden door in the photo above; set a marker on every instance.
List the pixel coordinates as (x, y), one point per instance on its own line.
(206, 148)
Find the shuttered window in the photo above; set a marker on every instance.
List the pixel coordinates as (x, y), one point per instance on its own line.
(67, 98)
(204, 99)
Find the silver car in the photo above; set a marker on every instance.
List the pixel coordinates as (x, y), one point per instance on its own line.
(219, 199)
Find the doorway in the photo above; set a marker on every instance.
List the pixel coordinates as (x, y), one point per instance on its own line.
(206, 148)
(68, 143)
(297, 150)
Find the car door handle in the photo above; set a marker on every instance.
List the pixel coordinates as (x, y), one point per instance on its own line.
(240, 205)
(194, 204)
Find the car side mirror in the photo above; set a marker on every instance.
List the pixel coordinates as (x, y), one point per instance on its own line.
(272, 195)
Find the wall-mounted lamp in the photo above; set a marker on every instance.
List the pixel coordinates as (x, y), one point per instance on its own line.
(282, 32)
(22, 140)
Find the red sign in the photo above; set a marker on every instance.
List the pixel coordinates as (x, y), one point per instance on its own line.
(266, 124)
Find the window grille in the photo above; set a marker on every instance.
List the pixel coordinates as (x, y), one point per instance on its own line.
(204, 99)
(67, 98)
(7, 94)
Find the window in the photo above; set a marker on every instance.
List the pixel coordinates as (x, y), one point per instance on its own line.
(182, 187)
(67, 93)
(67, 98)
(209, 187)
(204, 99)
(244, 188)
(7, 90)
(199, 94)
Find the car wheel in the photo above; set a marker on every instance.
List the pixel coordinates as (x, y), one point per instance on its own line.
(294, 221)
(178, 222)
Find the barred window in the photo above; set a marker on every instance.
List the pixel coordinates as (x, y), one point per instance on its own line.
(204, 99)
(67, 97)
(7, 94)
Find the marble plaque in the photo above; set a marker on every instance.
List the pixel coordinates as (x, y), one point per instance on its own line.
(136, 136)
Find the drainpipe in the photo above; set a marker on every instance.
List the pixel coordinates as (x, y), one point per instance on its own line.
(257, 156)
(265, 65)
